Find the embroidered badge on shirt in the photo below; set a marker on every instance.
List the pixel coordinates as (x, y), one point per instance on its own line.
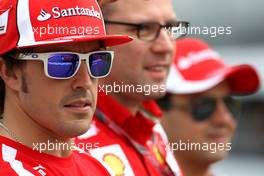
(114, 158)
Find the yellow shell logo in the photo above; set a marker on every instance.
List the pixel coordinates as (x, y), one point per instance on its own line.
(158, 155)
(115, 163)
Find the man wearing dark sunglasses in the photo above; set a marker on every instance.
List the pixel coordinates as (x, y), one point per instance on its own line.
(199, 106)
(49, 85)
(125, 126)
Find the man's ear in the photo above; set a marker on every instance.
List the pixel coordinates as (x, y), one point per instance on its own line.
(10, 77)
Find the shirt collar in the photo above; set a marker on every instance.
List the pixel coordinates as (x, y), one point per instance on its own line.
(114, 110)
(120, 114)
(152, 107)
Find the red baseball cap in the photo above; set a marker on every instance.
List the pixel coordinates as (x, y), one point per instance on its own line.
(29, 23)
(197, 68)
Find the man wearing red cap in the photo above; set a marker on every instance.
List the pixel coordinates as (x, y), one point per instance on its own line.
(130, 139)
(52, 54)
(199, 108)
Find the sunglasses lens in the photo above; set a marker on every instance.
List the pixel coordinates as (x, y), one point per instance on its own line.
(203, 108)
(100, 64)
(63, 65)
(233, 106)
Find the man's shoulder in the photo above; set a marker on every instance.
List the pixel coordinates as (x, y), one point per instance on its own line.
(80, 166)
(16, 169)
(10, 165)
(16, 159)
(11, 150)
(19, 160)
(5, 168)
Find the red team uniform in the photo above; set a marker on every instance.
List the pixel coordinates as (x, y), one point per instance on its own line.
(19, 160)
(129, 145)
(20, 24)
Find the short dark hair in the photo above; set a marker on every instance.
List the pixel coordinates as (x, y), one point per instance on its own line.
(11, 60)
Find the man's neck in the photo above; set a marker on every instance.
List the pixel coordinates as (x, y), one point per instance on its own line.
(36, 141)
(193, 168)
(23, 129)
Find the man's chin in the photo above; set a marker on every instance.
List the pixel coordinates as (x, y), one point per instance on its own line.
(78, 127)
(218, 155)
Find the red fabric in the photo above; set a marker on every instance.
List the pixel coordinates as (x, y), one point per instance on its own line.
(107, 137)
(135, 126)
(138, 127)
(151, 106)
(75, 165)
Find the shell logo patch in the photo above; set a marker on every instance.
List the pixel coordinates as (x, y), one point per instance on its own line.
(114, 159)
(158, 155)
(115, 163)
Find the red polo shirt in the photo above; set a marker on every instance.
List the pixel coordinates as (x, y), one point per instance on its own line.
(19, 160)
(116, 151)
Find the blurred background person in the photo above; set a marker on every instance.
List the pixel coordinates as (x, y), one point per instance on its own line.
(129, 141)
(199, 108)
(244, 44)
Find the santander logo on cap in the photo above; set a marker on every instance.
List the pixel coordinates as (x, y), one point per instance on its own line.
(57, 12)
(44, 15)
(61, 20)
(30, 23)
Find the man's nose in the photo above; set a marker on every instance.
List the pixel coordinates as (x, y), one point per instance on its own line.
(82, 80)
(163, 44)
(222, 115)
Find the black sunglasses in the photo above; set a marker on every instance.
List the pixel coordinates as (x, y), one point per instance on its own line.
(202, 108)
(150, 31)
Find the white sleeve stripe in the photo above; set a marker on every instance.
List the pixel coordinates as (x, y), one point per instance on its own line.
(9, 155)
